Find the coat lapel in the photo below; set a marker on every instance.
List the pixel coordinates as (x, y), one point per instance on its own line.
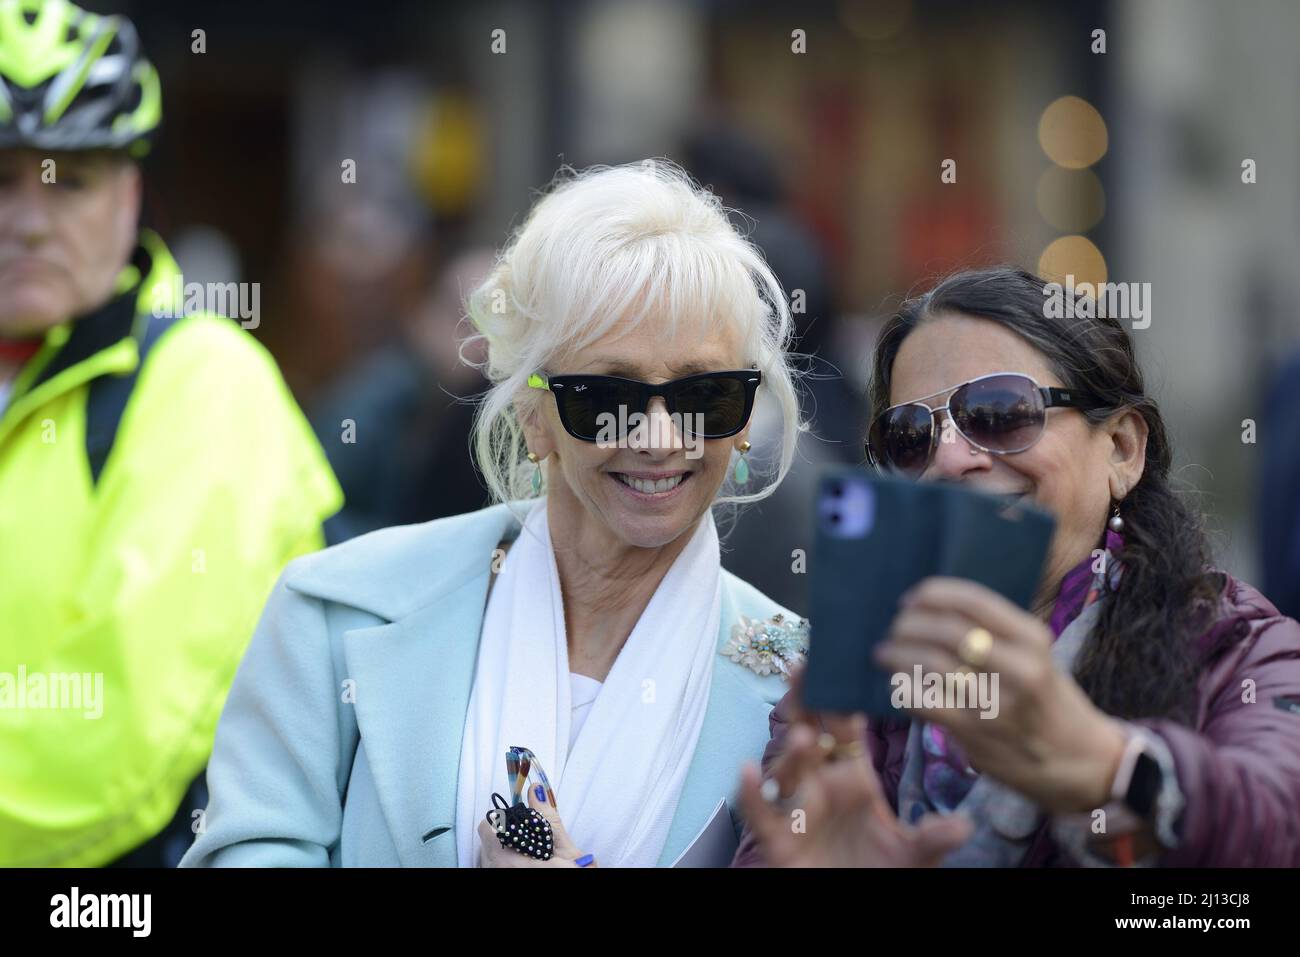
(413, 674)
(413, 680)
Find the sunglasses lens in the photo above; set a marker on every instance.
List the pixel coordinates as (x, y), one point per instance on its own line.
(717, 403)
(900, 439)
(1002, 413)
(588, 404)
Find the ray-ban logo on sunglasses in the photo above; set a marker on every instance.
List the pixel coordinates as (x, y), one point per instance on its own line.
(675, 430)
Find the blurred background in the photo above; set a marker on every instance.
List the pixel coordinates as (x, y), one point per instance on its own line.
(1116, 155)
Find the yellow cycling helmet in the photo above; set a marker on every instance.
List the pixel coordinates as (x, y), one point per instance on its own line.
(72, 80)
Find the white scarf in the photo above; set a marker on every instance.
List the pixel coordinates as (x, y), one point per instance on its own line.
(618, 787)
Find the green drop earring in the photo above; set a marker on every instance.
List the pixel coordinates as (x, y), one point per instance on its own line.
(741, 472)
(537, 473)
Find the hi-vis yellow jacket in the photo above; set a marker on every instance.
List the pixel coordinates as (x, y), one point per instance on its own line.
(140, 535)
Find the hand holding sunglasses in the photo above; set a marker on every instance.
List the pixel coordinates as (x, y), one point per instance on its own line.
(1001, 413)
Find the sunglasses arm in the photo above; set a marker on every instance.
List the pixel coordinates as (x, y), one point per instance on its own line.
(1068, 399)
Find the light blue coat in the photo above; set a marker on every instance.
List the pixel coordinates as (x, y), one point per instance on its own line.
(340, 742)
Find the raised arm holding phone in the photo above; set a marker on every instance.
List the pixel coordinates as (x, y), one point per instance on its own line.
(1143, 684)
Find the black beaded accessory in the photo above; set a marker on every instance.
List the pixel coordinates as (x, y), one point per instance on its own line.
(519, 827)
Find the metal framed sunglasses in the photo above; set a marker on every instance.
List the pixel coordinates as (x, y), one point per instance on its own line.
(711, 405)
(1001, 413)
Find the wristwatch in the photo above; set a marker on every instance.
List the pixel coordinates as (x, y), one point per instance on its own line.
(1146, 785)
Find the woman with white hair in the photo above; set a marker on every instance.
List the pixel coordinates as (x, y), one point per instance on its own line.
(404, 690)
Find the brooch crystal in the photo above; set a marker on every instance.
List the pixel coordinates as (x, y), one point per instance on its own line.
(772, 646)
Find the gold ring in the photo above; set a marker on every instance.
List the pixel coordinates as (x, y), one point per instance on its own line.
(826, 742)
(850, 750)
(974, 647)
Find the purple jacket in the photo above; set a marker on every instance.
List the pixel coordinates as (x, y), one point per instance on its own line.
(1238, 767)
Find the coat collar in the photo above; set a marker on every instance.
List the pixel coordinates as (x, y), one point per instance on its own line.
(414, 675)
(395, 572)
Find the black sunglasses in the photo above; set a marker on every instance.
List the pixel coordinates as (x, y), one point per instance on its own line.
(710, 405)
(1002, 413)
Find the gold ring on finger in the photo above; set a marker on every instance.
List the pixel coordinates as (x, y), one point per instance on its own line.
(974, 647)
(850, 750)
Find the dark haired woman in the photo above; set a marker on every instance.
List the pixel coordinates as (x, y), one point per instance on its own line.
(1146, 692)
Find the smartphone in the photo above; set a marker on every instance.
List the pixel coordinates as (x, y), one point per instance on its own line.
(875, 537)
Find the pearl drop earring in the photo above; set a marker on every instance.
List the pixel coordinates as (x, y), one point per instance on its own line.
(1116, 523)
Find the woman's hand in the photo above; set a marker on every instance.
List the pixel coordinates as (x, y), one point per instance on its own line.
(836, 814)
(1047, 741)
(566, 853)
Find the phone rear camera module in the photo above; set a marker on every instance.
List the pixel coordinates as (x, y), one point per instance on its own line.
(847, 508)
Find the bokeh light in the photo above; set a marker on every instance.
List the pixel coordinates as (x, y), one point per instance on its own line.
(1075, 256)
(1071, 200)
(1072, 133)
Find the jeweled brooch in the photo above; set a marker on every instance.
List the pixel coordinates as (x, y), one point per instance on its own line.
(772, 646)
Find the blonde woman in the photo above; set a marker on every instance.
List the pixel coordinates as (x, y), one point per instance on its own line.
(585, 617)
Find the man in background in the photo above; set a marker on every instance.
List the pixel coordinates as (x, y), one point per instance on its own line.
(155, 473)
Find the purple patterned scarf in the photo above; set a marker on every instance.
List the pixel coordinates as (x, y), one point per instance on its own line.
(947, 776)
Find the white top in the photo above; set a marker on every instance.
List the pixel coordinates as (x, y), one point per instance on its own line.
(582, 692)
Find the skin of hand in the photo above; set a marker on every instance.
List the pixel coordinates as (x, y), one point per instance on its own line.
(845, 819)
(566, 852)
(1048, 741)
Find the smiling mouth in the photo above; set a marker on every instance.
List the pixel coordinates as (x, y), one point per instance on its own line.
(646, 486)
